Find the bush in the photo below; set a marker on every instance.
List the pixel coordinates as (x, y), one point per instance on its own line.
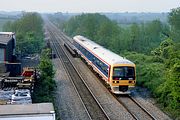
(149, 73)
(45, 86)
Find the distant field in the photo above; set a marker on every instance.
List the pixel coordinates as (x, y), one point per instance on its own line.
(3, 21)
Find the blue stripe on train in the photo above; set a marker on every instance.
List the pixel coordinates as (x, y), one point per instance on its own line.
(98, 63)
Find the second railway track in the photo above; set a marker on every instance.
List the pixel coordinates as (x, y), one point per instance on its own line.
(134, 108)
(93, 107)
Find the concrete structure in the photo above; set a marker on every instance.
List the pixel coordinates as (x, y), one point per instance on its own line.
(41, 111)
(7, 46)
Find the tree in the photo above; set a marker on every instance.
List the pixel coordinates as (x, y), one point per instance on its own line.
(159, 71)
(134, 41)
(163, 49)
(174, 20)
(45, 86)
(46, 67)
(169, 91)
(29, 34)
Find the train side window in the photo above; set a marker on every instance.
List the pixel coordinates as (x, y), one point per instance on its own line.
(105, 68)
(82, 50)
(97, 62)
(94, 59)
(130, 72)
(101, 65)
(87, 53)
(90, 56)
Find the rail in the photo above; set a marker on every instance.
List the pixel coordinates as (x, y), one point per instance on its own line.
(93, 107)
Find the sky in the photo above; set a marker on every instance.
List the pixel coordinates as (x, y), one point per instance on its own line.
(89, 5)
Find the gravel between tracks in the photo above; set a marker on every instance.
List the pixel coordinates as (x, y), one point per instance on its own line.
(148, 104)
(112, 107)
(114, 110)
(69, 105)
(134, 108)
(107, 100)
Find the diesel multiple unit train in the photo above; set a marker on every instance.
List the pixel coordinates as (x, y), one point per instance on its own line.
(118, 72)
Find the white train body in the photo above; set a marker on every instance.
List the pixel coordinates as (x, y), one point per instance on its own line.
(117, 71)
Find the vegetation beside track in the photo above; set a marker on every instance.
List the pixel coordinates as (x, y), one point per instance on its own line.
(29, 36)
(30, 40)
(29, 33)
(153, 46)
(45, 86)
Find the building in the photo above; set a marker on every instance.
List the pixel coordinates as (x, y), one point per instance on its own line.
(7, 46)
(38, 111)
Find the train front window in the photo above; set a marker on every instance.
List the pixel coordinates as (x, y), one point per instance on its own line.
(123, 73)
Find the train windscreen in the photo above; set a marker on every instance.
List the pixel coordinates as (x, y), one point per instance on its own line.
(123, 73)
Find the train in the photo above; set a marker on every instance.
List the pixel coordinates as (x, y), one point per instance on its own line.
(118, 72)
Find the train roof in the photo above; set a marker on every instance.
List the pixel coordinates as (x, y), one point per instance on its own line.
(103, 53)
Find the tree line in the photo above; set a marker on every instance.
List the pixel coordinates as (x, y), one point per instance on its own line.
(29, 33)
(153, 46)
(140, 38)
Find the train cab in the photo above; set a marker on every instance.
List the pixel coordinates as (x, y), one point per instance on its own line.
(122, 78)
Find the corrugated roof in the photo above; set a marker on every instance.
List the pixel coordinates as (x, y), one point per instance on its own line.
(24, 109)
(5, 37)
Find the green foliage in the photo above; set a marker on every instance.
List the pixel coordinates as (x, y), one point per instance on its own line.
(29, 34)
(164, 49)
(46, 67)
(85, 24)
(45, 86)
(159, 69)
(174, 20)
(149, 72)
(161, 74)
(169, 91)
(140, 38)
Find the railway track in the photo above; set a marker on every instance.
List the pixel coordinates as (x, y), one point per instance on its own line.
(93, 107)
(132, 106)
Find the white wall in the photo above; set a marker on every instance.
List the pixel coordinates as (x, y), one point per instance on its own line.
(29, 118)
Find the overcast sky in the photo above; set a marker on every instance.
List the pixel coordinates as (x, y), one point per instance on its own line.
(89, 5)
